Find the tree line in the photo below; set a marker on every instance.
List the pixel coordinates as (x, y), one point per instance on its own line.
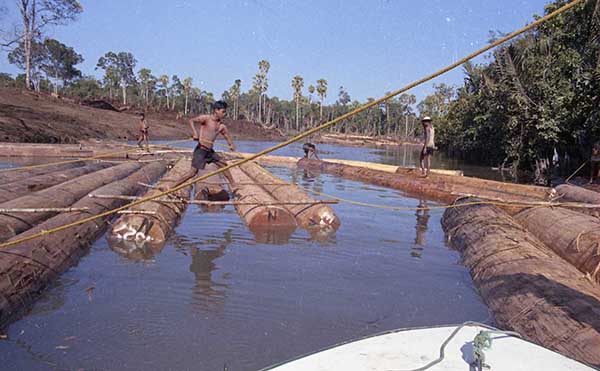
(535, 105)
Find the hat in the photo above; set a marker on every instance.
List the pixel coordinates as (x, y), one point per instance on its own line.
(426, 118)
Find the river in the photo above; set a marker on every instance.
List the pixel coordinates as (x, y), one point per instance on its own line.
(215, 298)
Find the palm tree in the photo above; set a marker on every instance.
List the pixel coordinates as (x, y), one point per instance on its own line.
(297, 84)
(187, 87)
(164, 81)
(322, 92)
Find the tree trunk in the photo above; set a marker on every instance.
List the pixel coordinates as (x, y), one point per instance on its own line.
(528, 288)
(318, 219)
(186, 104)
(10, 191)
(24, 174)
(270, 224)
(155, 229)
(572, 235)
(124, 90)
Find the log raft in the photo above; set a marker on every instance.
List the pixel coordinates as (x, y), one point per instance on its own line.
(37, 262)
(315, 218)
(60, 195)
(272, 224)
(10, 191)
(155, 219)
(436, 187)
(528, 287)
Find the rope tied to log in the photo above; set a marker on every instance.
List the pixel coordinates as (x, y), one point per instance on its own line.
(316, 129)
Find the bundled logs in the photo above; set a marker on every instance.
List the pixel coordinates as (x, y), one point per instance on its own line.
(528, 287)
(60, 195)
(26, 268)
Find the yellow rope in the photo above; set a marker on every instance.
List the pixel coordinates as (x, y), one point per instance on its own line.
(103, 155)
(308, 132)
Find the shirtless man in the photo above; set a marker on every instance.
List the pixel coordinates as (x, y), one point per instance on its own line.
(210, 127)
(310, 149)
(428, 145)
(143, 132)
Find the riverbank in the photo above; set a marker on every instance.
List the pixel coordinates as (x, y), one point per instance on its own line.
(32, 117)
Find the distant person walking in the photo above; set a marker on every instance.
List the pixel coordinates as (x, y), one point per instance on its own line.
(143, 137)
(428, 145)
(310, 150)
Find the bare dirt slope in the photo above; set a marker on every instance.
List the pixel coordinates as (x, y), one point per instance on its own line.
(39, 118)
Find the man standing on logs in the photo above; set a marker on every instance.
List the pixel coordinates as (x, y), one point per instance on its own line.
(428, 145)
(143, 132)
(210, 126)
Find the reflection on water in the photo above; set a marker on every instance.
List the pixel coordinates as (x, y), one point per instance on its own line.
(422, 215)
(207, 292)
(215, 294)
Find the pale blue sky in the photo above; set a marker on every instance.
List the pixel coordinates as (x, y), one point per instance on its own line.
(369, 47)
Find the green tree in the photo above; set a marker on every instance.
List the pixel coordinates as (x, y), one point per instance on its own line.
(165, 87)
(261, 84)
(59, 62)
(187, 88)
(119, 68)
(234, 94)
(147, 84)
(35, 17)
(322, 92)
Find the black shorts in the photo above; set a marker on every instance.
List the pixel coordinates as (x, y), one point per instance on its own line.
(427, 151)
(202, 156)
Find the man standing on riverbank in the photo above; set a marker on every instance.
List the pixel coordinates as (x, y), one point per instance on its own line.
(210, 127)
(428, 145)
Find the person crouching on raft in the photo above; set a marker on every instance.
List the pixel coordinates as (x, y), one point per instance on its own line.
(310, 150)
(210, 127)
(428, 145)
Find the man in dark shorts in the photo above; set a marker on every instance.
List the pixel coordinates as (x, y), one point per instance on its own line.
(310, 149)
(210, 127)
(428, 145)
(143, 137)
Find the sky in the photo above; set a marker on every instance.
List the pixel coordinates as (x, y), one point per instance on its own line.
(368, 46)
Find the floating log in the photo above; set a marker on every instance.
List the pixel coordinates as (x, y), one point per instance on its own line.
(272, 224)
(313, 217)
(572, 193)
(10, 176)
(60, 195)
(155, 228)
(436, 187)
(572, 235)
(10, 191)
(528, 287)
(568, 192)
(26, 268)
(211, 189)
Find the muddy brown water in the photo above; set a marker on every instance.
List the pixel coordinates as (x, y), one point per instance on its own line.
(214, 298)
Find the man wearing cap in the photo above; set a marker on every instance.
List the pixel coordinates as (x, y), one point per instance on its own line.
(428, 145)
